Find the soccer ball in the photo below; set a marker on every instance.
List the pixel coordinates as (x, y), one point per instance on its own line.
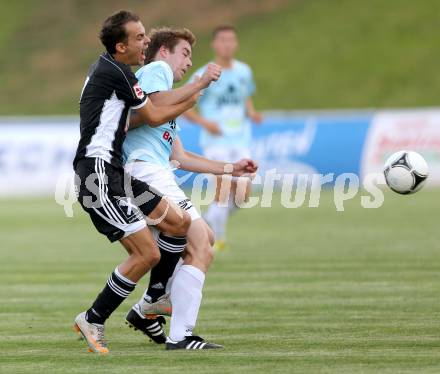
(405, 172)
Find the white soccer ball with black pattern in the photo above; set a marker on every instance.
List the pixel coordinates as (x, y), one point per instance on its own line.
(406, 172)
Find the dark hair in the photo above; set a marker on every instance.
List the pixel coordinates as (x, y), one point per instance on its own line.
(166, 37)
(113, 29)
(221, 28)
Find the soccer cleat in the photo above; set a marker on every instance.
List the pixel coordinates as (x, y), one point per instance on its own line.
(191, 342)
(78, 332)
(220, 245)
(92, 333)
(152, 327)
(161, 307)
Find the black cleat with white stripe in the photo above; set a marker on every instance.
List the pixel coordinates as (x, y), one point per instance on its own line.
(152, 327)
(191, 342)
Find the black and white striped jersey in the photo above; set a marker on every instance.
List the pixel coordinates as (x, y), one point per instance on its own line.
(110, 91)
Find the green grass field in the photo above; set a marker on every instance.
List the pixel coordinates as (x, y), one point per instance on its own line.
(301, 291)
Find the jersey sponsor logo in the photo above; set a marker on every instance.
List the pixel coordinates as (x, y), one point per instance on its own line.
(138, 91)
(168, 137)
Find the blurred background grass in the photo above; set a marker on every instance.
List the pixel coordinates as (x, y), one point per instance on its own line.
(305, 53)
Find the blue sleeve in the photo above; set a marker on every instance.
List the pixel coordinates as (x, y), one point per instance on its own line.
(153, 79)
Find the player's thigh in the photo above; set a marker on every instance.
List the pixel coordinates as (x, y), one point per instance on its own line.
(169, 218)
(198, 238)
(101, 194)
(159, 211)
(178, 200)
(177, 210)
(145, 196)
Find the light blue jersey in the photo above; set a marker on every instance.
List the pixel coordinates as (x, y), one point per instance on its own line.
(224, 102)
(152, 144)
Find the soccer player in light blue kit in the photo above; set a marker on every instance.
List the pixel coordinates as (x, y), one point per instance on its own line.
(147, 151)
(225, 114)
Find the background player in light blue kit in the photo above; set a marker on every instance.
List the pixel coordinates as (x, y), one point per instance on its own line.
(225, 114)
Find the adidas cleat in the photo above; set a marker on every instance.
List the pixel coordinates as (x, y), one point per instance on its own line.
(152, 327)
(161, 307)
(92, 333)
(191, 343)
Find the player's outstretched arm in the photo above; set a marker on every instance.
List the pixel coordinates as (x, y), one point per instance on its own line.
(157, 110)
(212, 73)
(175, 96)
(157, 115)
(193, 162)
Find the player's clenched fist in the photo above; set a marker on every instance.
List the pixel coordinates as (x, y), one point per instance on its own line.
(212, 73)
(244, 167)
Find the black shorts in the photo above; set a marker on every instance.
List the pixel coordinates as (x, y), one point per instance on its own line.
(115, 201)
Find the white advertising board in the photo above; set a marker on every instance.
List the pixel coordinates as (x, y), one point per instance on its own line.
(34, 153)
(392, 131)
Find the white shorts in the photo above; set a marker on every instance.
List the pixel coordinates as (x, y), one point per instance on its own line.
(226, 153)
(163, 180)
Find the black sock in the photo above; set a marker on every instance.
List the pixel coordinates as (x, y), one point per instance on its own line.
(171, 248)
(114, 293)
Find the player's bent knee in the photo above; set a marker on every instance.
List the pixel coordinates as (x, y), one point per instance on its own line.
(211, 235)
(209, 254)
(147, 259)
(205, 253)
(152, 254)
(144, 251)
(154, 258)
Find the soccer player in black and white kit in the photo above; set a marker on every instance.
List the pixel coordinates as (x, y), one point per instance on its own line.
(110, 92)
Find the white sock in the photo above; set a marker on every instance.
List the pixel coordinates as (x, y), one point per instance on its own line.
(217, 218)
(186, 296)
